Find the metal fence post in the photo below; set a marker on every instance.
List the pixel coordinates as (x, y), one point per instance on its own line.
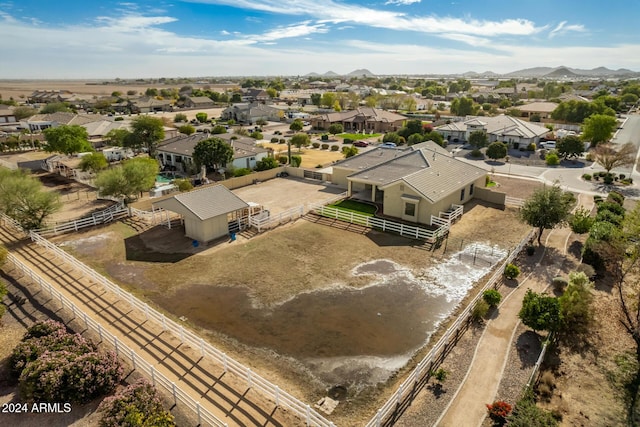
(249, 380)
(86, 323)
(198, 410)
(153, 375)
(202, 347)
(224, 361)
(308, 415)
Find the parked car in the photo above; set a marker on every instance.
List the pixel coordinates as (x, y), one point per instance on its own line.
(549, 145)
(361, 144)
(388, 145)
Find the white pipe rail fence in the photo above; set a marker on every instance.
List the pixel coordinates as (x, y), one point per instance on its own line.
(381, 223)
(204, 416)
(513, 201)
(253, 380)
(454, 213)
(536, 367)
(407, 389)
(275, 220)
(102, 217)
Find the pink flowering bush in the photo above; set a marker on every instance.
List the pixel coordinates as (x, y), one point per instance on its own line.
(137, 405)
(58, 339)
(54, 365)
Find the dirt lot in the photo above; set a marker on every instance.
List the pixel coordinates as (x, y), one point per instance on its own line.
(311, 157)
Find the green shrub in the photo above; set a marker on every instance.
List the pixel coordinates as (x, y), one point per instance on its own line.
(526, 413)
(325, 146)
(608, 179)
(283, 160)
(266, 164)
(241, 172)
(492, 297)
(511, 271)
(118, 119)
(315, 145)
(282, 141)
(274, 140)
(581, 221)
(622, 176)
(597, 199)
(476, 153)
(596, 177)
(531, 147)
(348, 141)
(531, 250)
(552, 159)
(296, 161)
(616, 197)
(559, 283)
(334, 148)
(586, 177)
(608, 216)
(324, 137)
(479, 310)
(440, 375)
(183, 185)
(611, 206)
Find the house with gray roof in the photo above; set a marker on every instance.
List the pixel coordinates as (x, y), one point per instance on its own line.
(511, 130)
(199, 102)
(251, 113)
(412, 184)
(177, 153)
(207, 212)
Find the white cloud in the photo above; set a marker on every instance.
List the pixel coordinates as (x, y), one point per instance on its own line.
(563, 28)
(296, 30)
(402, 2)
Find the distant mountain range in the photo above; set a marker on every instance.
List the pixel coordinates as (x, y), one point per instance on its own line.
(539, 72)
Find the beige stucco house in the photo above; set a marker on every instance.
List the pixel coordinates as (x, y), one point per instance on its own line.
(411, 184)
(207, 211)
(362, 119)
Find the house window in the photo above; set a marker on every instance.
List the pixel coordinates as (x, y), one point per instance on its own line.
(471, 190)
(410, 209)
(178, 159)
(462, 194)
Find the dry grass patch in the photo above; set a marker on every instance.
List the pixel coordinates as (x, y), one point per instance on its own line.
(311, 157)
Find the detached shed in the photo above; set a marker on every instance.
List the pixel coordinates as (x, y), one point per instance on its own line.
(206, 211)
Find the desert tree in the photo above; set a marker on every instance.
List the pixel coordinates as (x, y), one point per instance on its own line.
(545, 209)
(609, 157)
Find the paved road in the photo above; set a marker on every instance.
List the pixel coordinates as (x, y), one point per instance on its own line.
(225, 396)
(481, 383)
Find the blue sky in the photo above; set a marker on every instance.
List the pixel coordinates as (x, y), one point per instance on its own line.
(170, 38)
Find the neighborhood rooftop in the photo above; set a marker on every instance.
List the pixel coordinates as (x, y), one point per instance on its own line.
(208, 202)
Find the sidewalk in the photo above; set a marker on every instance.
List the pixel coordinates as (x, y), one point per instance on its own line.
(481, 383)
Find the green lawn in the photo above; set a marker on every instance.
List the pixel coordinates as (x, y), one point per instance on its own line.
(358, 136)
(357, 207)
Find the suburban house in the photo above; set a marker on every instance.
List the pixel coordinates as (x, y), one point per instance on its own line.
(98, 130)
(251, 113)
(177, 153)
(207, 212)
(149, 105)
(410, 184)
(362, 119)
(499, 128)
(46, 96)
(542, 109)
(40, 122)
(198, 102)
(254, 95)
(7, 117)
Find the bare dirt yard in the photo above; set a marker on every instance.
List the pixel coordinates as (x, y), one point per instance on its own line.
(311, 157)
(288, 301)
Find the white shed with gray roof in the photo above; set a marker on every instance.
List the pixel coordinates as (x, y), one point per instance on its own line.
(206, 211)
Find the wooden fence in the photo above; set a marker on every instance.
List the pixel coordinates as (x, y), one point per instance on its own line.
(410, 387)
(253, 380)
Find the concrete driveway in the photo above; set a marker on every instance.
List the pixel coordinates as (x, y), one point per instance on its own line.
(280, 194)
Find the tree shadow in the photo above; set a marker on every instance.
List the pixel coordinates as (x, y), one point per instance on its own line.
(437, 390)
(528, 345)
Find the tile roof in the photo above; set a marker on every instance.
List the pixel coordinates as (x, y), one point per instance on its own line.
(184, 145)
(499, 125)
(362, 114)
(535, 107)
(427, 167)
(208, 202)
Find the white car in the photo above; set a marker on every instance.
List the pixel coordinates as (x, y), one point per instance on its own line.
(549, 145)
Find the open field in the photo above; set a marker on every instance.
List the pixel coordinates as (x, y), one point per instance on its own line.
(20, 89)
